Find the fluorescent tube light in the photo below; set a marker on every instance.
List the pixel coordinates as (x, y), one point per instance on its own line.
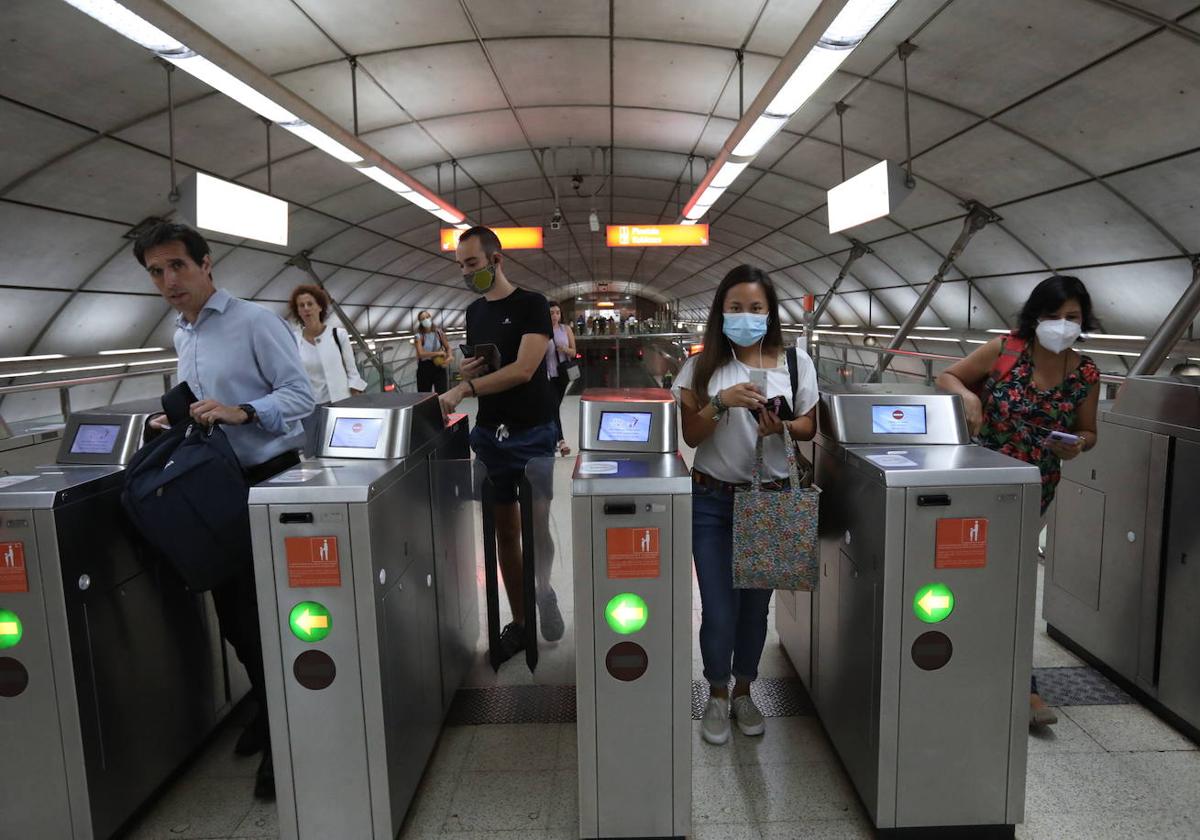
(233, 87)
(727, 174)
(155, 362)
(423, 202)
(814, 71)
(974, 341)
(696, 212)
(764, 128)
(117, 17)
(124, 352)
(386, 179)
(85, 367)
(871, 194)
(1000, 332)
(709, 197)
(824, 325)
(690, 221)
(854, 21)
(447, 216)
(848, 326)
(225, 207)
(33, 358)
(322, 141)
(23, 373)
(1110, 337)
(934, 329)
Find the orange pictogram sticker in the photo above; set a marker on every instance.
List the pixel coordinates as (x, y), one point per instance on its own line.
(961, 544)
(312, 562)
(13, 577)
(633, 553)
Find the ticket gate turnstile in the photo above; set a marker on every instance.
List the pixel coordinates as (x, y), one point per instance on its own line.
(26, 444)
(917, 646)
(1119, 587)
(632, 512)
(368, 608)
(111, 671)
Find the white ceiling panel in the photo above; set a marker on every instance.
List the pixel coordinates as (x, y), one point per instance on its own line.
(781, 191)
(819, 108)
(553, 71)
(53, 250)
(724, 24)
(407, 146)
(24, 314)
(991, 250)
(340, 283)
(968, 55)
(1170, 193)
(819, 164)
(243, 271)
(644, 129)
(92, 320)
(330, 89)
(473, 134)
(676, 77)
(273, 35)
(361, 203)
(1099, 118)
(994, 165)
(551, 127)
(382, 255)
(45, 43)
(780, 25)
(312, 176)
(516, 18)
(437, 81)
(756, 69)
(1084, 226)
(375, 25)
(17, 126)
(713, 139)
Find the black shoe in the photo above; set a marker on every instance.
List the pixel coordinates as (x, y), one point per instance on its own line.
(550, 616)
(253, 737)
(512, 642)
(264, 780)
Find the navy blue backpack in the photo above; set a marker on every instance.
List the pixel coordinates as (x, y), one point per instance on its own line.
(187, 496)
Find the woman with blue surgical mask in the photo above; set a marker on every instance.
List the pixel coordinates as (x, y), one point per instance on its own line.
(1031, 396)
(744, 385)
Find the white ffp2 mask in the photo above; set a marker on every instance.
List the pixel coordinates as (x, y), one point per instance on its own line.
(1058, 335)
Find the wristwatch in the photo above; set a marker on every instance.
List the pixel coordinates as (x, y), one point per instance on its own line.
(251, 414)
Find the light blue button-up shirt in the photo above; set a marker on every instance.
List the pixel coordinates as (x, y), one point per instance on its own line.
(239, 352)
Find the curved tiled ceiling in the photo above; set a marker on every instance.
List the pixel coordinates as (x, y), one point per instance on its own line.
(1075, 120)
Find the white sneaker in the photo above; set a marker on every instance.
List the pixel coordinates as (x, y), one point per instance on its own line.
(715, 724)
(749, 718)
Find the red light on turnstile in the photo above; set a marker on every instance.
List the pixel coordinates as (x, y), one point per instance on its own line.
(14, 679)
(626, 661)
(314, 669)
(389, 387)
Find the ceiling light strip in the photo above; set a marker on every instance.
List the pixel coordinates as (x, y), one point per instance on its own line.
(174, 38)
(832, 33)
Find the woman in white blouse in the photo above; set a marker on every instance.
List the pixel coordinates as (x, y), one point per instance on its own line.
(326, 353)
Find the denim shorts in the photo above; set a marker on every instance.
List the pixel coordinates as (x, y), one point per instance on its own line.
(506, 460)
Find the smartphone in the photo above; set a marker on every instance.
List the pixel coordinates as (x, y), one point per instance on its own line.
(780, 406)
(1064, 438)
(489, 352)
(758, 378)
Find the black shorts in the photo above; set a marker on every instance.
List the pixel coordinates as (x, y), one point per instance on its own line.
(506, 460)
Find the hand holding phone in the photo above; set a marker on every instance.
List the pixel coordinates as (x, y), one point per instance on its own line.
(489, 353)
(758, 378)
(1065, 438)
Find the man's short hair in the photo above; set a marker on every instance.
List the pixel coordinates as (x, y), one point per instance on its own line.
(487, 238)
(164, 232)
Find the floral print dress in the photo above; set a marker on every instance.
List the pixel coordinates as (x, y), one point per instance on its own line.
(1017, 415)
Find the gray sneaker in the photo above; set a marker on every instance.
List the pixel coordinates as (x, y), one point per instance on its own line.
(749, 718)
(715, 725)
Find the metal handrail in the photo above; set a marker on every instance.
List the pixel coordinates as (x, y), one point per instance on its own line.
(83, 380)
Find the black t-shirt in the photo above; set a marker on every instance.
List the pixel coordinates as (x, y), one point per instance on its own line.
(503, 323)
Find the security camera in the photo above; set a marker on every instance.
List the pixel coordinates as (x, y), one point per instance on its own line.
(556, 219)
(594, 221)
(577, 181)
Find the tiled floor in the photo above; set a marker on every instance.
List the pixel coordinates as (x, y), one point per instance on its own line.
(1103, 773)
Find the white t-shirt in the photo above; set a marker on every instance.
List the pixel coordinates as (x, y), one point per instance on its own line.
(728, 454)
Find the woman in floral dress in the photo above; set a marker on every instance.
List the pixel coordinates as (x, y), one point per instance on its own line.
(1018, 388)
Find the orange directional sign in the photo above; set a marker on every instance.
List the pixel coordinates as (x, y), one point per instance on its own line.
(651, 236)
(511, 238)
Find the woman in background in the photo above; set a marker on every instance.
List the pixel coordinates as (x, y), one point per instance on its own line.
(327, 356)
(433, 355)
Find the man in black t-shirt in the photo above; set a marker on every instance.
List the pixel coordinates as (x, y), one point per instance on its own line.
(517, 413)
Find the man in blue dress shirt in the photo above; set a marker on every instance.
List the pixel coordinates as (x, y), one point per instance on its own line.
(241, 362)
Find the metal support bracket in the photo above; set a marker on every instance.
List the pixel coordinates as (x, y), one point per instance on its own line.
(857, 250)
(1173, 328)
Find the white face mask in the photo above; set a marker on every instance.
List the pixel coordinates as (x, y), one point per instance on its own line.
(426, 322)
(1058, 335)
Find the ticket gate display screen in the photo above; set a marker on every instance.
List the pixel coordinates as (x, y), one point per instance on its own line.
(95, 439)
(898, 419)
(625, 426)
(356, 432)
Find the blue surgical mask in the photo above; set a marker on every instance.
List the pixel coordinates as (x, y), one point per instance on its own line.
(744, 328)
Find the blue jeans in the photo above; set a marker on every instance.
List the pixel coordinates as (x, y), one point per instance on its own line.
(733, 622)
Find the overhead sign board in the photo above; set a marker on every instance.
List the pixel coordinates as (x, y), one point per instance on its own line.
(511, 238)
(656, 236)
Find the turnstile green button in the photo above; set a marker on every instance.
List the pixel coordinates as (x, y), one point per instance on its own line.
(10, 629)
(310, 621)
(626, 613)
(933, 603)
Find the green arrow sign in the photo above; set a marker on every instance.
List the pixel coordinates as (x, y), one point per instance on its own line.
(626, 613)
(933, 603)
(310, 621)
(10, 629)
